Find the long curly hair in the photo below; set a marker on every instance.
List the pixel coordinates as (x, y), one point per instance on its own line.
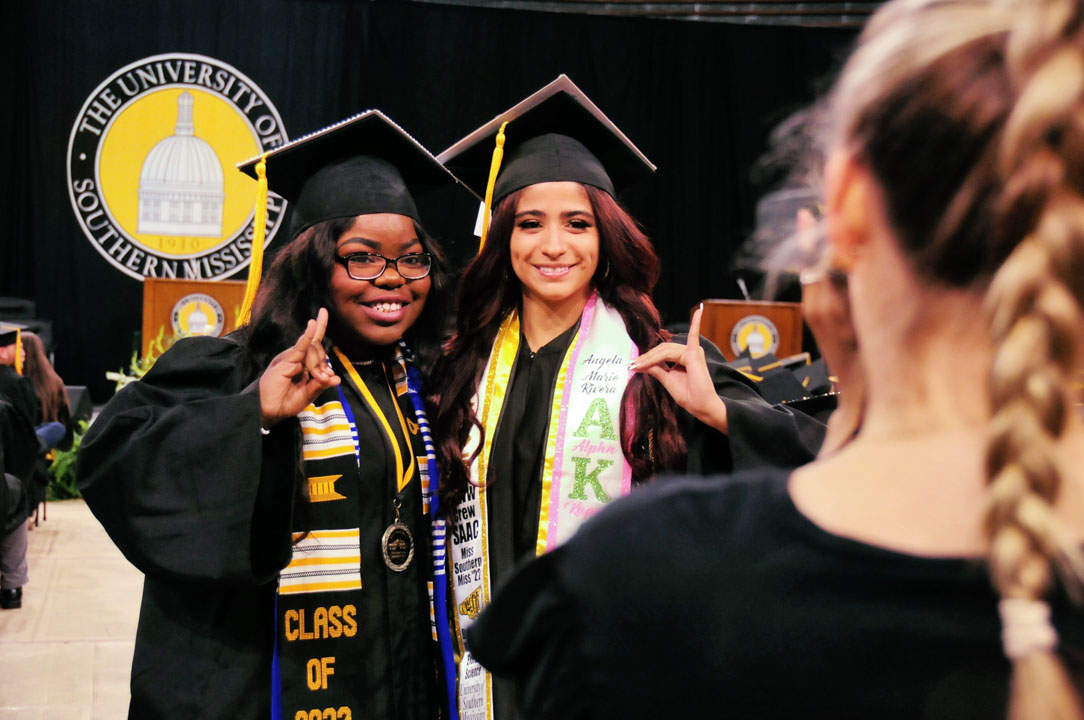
(298, 284)
(627, 272)
(986, 100)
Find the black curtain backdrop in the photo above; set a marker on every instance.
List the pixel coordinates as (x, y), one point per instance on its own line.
(698, 98)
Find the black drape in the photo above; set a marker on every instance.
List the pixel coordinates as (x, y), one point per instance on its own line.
(698, 98)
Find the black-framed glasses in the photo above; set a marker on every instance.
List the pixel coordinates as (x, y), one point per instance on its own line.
(370, 266)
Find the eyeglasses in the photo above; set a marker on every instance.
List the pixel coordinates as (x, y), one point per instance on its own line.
(370, 266)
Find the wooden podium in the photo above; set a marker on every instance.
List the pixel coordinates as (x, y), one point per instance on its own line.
(180, 308)
(762, 327)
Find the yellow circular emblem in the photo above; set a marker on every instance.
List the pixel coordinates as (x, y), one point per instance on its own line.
(754, 333)
(198, 314)
(152, 167)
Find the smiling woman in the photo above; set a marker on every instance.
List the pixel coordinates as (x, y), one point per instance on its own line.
(374, 307)
(554, 250)
(275, 485)
(540, 421)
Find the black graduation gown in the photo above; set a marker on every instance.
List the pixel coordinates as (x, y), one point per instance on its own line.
(718, 598)
(18, 444)
(180, 475)
(19, 392)
(760, 435)
(18, 452)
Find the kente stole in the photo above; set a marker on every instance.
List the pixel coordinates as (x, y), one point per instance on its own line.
(583, 466)
(316, 604)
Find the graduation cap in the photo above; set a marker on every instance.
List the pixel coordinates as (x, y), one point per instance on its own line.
(556, 134)
(785, 380)
(12, 334)
(365, 164)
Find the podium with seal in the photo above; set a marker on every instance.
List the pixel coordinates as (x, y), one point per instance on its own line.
(182, 308)
(761, 328)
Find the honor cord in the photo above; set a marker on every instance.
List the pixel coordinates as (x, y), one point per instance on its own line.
(440, 562)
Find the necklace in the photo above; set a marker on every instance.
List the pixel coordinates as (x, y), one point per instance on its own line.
(397, 543)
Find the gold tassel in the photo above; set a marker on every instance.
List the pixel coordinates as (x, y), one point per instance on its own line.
(255, 267)
(19, 351)
(494, 168)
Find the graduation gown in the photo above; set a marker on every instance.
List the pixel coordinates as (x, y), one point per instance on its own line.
(18, 452)
(760, 435)
(17, 390)
(178, 472)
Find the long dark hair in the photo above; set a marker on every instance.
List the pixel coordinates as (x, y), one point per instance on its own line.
(489, 290)
(52, 394)
(298, 284)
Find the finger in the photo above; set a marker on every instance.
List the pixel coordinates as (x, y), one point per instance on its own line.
(288, 362)
(329, 380)
(694, 328)
(316, 384)
(305, 340)
(664, 352)
(321, 326)
(657, 372)
(316, 361)
(312, 362)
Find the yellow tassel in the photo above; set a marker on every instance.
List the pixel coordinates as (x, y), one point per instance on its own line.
(19, 351)
(255, 267)
(494, 168)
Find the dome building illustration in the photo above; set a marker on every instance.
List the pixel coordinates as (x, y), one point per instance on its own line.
(181, 185)
(198, 322)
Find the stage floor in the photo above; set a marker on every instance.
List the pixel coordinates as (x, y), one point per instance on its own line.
(68, 651)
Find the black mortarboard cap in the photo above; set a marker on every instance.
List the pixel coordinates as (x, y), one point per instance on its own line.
(9, 334)
(814, 377)
(820, 407)
(556, 134)
(363, 165)
(783, 380)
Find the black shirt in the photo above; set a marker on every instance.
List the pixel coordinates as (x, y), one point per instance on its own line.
(718, 598)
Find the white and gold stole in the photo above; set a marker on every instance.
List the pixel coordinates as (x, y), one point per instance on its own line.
(583, 466)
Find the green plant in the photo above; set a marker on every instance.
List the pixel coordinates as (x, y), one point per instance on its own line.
(62, 471)
(140, 366)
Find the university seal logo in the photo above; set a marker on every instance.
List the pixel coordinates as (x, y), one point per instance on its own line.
(198, 314)
(152, 167)
(754, 333)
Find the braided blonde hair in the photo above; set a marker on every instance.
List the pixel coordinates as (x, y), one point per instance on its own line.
(1035, 307)
(987, 98)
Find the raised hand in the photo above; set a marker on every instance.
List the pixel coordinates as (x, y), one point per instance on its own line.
(683, 372)
(296, 375)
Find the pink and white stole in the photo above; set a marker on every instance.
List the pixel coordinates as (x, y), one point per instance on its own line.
(583, 469)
